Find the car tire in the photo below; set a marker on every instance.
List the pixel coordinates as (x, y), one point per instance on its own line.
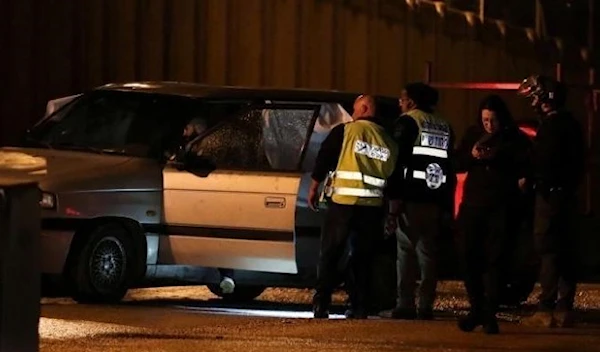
(241, 294)
(102, 267)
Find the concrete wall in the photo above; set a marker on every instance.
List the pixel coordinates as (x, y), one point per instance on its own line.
(57, 47)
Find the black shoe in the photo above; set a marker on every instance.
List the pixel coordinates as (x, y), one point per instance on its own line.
(470, 322)
(404, 313)
(490, 327)
(355, 314)
(564, 318)
(425, 314)
(320, 312)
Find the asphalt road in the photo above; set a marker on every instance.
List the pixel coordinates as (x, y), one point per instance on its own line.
(191, 319)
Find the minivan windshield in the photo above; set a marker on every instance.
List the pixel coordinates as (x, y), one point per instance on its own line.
(112, 122)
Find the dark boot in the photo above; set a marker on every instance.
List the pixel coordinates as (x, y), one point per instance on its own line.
(471, 321)
(564, 318)
(541, 319)
(490, 323)
(320, 311)
(425, 314)
(355, 314)
(404, 313)
(321, 306)
(490, 326)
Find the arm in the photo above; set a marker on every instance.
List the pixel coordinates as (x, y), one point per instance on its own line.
(577, 153)
(522, 155)
(448, 203)
(326, 161)
(393, 192)
(405, 132)
(329, 153)
(463, 157)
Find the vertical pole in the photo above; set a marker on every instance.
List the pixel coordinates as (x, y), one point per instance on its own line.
(591, 112)
(427, 78)
(482, 10)
(592, 106)
(539, 19)
(19, 266)
(591, 25)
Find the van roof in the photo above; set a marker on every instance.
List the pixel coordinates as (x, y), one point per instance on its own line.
(196, 90)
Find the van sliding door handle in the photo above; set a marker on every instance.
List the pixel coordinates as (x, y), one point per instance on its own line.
(275, 202)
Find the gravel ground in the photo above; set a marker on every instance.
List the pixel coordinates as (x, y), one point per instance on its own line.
(183, 319)
(451, 296)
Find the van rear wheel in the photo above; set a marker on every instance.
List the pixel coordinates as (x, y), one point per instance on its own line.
(101, 270)
(241, 293)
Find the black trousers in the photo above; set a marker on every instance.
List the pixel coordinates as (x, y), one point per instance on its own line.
(417, 252)
(483, 249)
(343, 223)
(555, 243)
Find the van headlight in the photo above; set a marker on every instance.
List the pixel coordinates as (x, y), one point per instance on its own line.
(48, 201)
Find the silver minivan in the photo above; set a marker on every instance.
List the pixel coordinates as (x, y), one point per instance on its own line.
(129, 200)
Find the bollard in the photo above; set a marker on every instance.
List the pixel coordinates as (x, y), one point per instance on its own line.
(19, 265)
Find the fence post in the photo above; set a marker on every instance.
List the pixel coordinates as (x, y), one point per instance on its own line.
(19, 265)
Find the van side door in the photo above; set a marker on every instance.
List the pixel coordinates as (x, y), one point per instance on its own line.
(241, 215)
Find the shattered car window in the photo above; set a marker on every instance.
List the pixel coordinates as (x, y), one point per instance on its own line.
(260, 139)
(284, 135)
(237, 144)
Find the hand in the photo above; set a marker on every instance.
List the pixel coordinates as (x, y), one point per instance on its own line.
(523, 184)
(476, 152)
(391, 225)
(313, 199)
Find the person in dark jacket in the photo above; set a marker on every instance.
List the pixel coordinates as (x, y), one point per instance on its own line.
(425, 141)
(558, 167)
(494, 155)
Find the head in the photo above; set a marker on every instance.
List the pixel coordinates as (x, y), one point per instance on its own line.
(418, 96)
(364, 107)
(545, 93)
(494, 115)
(194, 128)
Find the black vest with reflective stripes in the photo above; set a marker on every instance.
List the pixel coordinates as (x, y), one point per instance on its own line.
(427, 169)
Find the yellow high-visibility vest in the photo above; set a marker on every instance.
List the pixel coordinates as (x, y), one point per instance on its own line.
(367, 160)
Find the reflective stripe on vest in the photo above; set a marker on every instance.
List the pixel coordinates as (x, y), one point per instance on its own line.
(357, 192)
(428, 151)
(357, 176)
(422, 175)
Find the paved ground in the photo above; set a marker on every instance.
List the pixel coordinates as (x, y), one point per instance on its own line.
(191, 319)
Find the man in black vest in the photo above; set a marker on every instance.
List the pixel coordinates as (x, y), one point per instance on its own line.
(426, 140)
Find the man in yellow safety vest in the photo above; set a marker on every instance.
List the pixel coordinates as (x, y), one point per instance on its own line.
(360, 158)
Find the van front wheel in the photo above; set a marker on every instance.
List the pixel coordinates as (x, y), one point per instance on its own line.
(101, 270)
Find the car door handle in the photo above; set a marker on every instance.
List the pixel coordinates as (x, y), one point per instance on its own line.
(275, 202)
